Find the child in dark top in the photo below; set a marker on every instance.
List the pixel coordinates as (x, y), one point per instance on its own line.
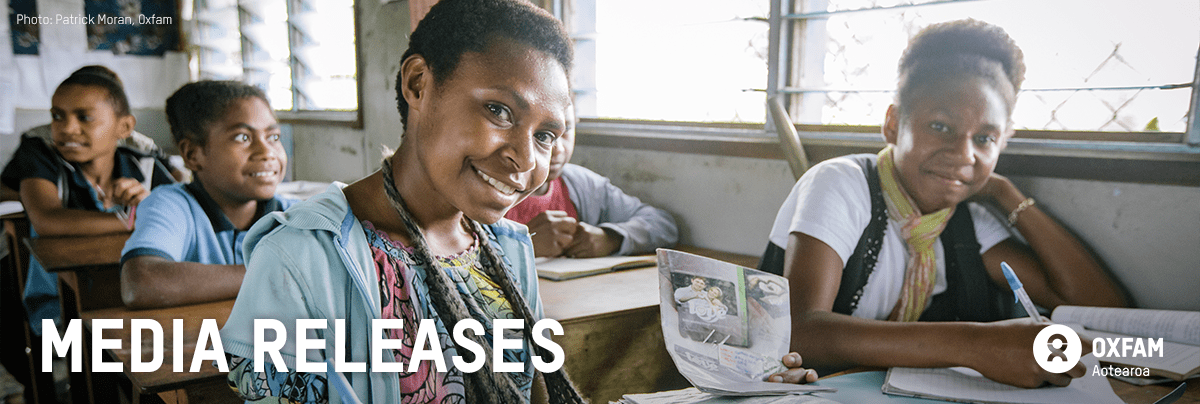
(578, 213)
(79, 181)
(892, 261)
(187, 245)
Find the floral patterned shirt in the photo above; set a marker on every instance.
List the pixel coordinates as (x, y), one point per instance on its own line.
(403, 296)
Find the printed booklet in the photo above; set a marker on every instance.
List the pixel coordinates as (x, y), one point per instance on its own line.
(726, 327)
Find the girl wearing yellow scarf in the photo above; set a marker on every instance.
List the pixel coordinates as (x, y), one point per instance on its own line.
(945, 131)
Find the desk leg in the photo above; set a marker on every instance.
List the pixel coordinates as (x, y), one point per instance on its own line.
(41, 382)
(81, 382)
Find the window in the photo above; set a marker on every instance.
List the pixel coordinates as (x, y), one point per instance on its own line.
(1092, 66)
(300, 52)
(679, 60)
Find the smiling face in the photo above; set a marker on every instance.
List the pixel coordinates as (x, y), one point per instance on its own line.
(947, 140)
(84, 124)
(243, 159)
(481, 140)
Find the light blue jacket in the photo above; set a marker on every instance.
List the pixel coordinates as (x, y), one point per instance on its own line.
(314, 262)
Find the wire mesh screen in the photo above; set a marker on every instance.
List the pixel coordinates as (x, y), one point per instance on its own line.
(1091, 66)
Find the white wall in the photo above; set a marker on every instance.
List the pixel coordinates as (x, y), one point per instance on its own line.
(1149, 235)
(327, 153)
(723, 203)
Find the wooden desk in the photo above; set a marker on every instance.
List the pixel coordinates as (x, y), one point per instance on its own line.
(207, 385)
(58, 254)
(90, 266)
(612, 334)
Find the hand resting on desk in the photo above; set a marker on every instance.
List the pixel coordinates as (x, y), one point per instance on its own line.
(551, 232)
(592, 241)
(555, 234)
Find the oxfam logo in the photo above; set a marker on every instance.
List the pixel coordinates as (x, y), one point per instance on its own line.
(1057, 348)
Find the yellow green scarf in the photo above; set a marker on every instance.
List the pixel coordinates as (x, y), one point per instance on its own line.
(919, 232)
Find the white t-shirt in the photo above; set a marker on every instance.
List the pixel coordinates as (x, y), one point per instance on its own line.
(832, 203)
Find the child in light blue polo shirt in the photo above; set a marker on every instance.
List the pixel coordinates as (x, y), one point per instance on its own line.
(187, 246)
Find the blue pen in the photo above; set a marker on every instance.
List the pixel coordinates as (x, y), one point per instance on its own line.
(1019, 290)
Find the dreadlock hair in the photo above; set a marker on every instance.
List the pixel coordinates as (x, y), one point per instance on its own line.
(454, 27)
(450, 29)
(957, 49)
(103, 77)
(193, 108)
(483, 385)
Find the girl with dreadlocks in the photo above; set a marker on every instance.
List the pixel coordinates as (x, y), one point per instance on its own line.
(483, 94)
(891, 265)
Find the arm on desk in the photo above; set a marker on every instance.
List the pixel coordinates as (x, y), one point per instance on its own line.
(1000, 351)
(150, 281)
(49, 218)
(638, 226)
(1055, 267)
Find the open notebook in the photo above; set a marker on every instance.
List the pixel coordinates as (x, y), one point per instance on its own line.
(968, 386)
(1179, 330)
(559, 269)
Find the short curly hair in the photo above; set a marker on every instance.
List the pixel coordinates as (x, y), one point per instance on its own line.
(962, 48)
(105, 78)
(454, 27)
(193, 108)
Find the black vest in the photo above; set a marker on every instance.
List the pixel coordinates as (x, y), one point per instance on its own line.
(970, 294)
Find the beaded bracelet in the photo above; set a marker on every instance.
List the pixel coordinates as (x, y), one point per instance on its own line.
(1025, 204)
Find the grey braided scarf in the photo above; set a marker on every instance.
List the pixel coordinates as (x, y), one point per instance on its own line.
(481, 386)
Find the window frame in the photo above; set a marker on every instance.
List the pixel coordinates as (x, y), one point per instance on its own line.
(1171, 158)
(351, 119)
(347, 118)
(787, 29)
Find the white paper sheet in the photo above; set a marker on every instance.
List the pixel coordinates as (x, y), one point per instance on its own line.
(726, 327)
(968, 385)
